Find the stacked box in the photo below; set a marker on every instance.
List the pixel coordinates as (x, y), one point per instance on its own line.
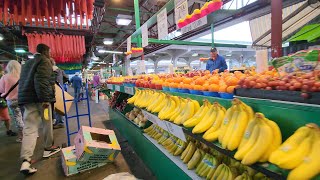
(72, 166)
(94, 147)
(97, 145)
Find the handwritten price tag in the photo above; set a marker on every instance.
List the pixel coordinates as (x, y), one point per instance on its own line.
(109, 86)
(128, 90)
(162, 124)
(117, 88)
(176, 131)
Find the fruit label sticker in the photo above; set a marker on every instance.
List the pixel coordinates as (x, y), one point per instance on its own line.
(149, 116)
(247, 134)
(225, 121)
(176, 131)
(209, 163)
(128, 90)
(117, 88)
(109, 86)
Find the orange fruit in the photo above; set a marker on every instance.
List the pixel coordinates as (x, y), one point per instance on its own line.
(232, 81)
(187, 80)
(206, 87)
(214, 88)
(223, 89)
(230, 89)
(214, 80)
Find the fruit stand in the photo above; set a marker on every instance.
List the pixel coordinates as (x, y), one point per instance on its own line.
(296, 115)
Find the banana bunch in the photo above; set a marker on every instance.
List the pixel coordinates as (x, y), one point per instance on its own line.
(188, 152)
(232, 126)
(300, 152)
(198, 116)
(187, 112)
(207, 166)
(214, 115)
(171, 104)
(261, 138)
(158, 102)
(134, 97)
(244, 176)
(223, 172)
(143, 98)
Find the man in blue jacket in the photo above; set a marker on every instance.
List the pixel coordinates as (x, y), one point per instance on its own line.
(216, 62)
(76, 84)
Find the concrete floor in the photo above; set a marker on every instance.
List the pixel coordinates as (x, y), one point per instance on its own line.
(51, 169)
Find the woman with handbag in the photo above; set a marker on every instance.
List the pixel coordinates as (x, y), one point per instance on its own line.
(9, 90)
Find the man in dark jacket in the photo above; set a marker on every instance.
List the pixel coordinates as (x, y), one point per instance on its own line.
(77, 85)
(36, 93)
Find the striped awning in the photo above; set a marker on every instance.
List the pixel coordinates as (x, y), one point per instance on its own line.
(294, 17)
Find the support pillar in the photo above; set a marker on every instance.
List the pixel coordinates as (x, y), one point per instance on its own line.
(276, 28)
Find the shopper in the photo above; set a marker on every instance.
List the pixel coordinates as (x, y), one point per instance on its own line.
(96, 85)
(77, 85)
(36, 93)
(9, 86)
(216, 62)
(61, 77)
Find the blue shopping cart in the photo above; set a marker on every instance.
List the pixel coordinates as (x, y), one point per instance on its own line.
(77, 115)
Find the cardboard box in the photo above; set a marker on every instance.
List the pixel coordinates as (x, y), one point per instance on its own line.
(59, 107)
(70, 164)
(96, 144)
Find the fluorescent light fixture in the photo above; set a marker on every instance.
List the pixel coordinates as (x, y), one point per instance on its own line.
(123, 20)
(111, 52)
(153, 54)
(107, 41)
(20, 50)
(1, 37)
(195, 54)
(94, 62)
(228, 55)
(31, 56)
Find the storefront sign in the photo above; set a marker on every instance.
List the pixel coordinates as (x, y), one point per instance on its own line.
(162, 24)
(144, 32)
(176, 131)
(128, 90)
(180, 10)
(196, 24)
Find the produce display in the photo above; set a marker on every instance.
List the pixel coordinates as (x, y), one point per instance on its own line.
(252, 136)
(137, 117)
(206, 162)
(113, 99)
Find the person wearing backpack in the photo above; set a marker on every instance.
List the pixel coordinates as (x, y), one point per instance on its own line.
(9, 98)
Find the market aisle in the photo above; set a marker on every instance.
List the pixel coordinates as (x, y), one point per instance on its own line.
(51, 169)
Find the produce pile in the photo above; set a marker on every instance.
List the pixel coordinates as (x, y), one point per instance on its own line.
(206, 162)
(137, 117)
(252, 136)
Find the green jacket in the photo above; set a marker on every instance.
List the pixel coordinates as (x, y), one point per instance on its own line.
(37, 81)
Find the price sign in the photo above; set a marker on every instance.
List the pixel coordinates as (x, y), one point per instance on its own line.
(180, 10)
(194, 25)
(176, 131)
(144, 32)
(162, 24)
(162, 124)
(117, 88)
(150, 116)
(128, 90)
(109, 86)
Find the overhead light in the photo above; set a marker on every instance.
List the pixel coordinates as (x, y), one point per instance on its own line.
(111, 52)
(153, 54)
(102, 63)
(30, 56)
(98, 65)
(228, 55)
(123, 20)
(20, 50)
(1, 37)
(94, 62)
(195, 54)
(107, 41)
(94, 57)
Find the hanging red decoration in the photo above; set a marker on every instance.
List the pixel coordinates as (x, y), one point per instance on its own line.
(49, 12)
(64, 48)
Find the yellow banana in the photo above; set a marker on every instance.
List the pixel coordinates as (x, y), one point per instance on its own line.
(289, 146)
(190, 153)
(229, 128)
(261, 146)
(185, 152)
(198, 116)
(310, 166)
(196, 105)
(186, 113)
(222, 172)
(225, 122)
(195, 159)
(238, 130)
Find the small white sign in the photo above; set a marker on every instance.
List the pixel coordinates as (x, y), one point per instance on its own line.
(128, 90)
(117, 88)
(194, 25)
(176, 131)
(144, 32)
(162, 124)
(162, 24)
(109, 86)
(180, 10)
(129, 44)
(152, 118)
